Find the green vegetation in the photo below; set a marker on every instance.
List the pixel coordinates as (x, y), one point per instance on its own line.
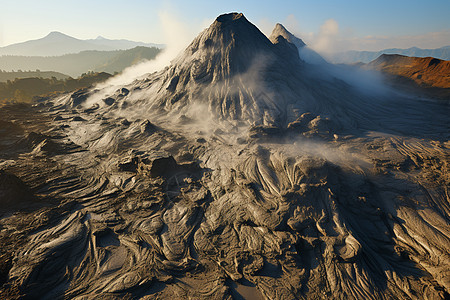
(28, 89)
(76, 64)
(25, 86)
(124, 59)
(5, 76)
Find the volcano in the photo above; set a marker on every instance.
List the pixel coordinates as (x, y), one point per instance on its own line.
(240, 171)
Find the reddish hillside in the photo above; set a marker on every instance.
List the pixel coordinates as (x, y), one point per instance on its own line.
(428, 74)
(427, 71)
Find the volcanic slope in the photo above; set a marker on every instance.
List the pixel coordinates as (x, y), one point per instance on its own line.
(306, 53)
(240, 170)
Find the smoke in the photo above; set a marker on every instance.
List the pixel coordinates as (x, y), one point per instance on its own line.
(338, 154)
(177, 35)
(212, 108)
(251, 96)
(331, 39)
(326, 39)
(366, 81)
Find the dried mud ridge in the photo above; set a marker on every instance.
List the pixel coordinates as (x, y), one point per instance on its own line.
(270, 194)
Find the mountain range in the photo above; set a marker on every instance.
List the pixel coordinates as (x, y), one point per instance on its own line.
(57, 43)
(367, 56)
(78, 63)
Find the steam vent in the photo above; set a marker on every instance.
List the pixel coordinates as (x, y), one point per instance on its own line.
(240, 171)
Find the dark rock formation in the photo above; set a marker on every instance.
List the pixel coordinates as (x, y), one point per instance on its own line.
(13, 192)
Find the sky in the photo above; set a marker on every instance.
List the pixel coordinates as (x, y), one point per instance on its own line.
(325, 25)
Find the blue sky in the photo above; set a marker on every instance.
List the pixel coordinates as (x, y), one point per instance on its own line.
(330, 24)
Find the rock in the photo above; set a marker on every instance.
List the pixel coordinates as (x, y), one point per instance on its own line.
(124, 92)
(47, 147)
(321, 125)
(241, 140)
(125, 122)
(147, 127)
(301, 124)
(109, 101)
(173, 83)
(92, 108)
(124, 105)
(13, 191)
(183, 119)
(264, 132)
(130, 165)
(78, 97)
(31, 140)
(78, 119)
(163, 167)
(218, 131)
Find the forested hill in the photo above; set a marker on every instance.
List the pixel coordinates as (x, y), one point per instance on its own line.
(76, 64)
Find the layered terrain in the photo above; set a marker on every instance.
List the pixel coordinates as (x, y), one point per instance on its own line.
(241, 170)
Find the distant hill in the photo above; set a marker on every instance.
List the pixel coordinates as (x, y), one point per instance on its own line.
(121, 44)
(5, 76)
(368, 56)
(429, 76)
(76, 64)
(57, 43)
(30, 89)
(127, 58)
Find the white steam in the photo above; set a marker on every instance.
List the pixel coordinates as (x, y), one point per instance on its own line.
(177, 35)
(325, 41)
(338, 154)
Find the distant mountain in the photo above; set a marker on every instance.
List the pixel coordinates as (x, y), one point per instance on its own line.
(428, 76)
(57, 43)
(77, 64)
(368, 56)
(121, 44)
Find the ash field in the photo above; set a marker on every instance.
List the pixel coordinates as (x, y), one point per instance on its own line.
(241, 171)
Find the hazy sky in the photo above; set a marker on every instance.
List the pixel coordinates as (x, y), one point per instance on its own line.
(326, 25)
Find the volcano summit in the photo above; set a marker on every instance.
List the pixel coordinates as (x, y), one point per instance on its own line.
(241, 170)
